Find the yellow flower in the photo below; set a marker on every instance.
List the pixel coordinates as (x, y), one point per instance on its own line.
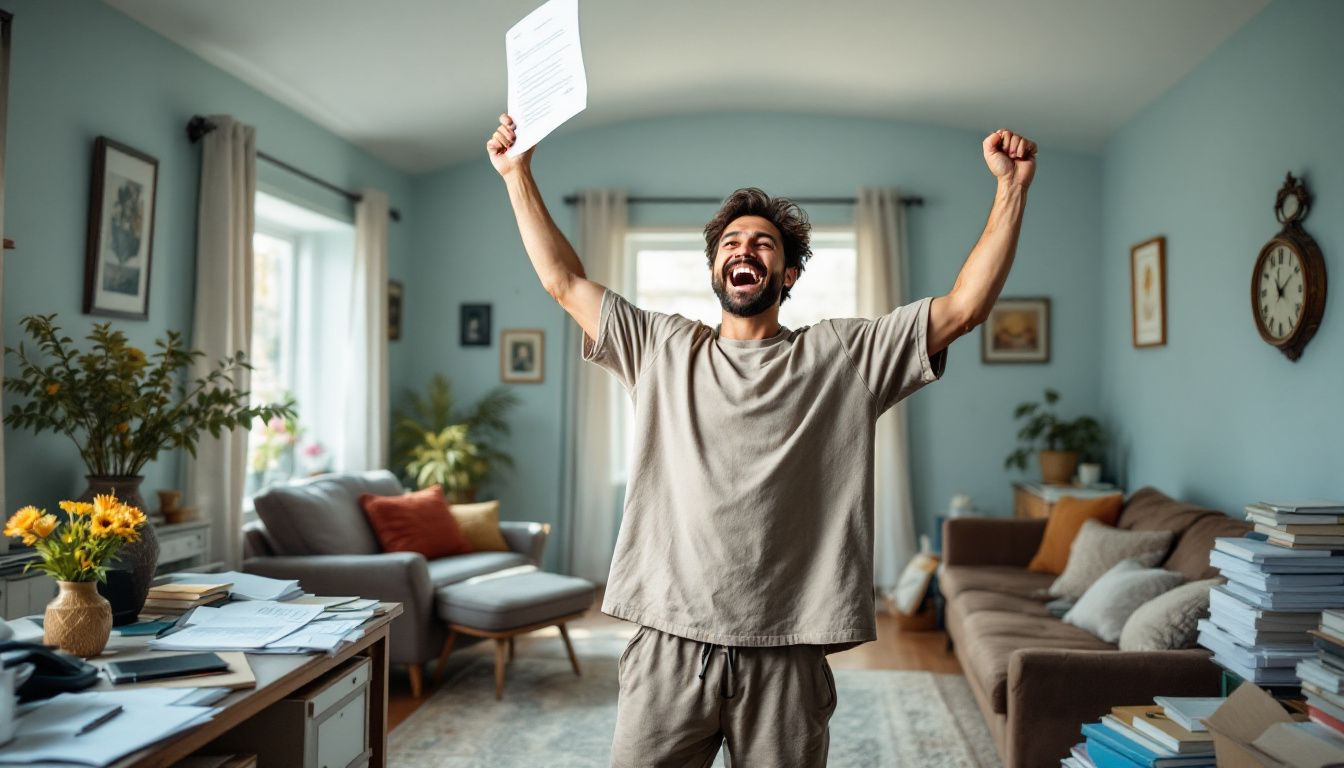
(105, 502)
(53, 388)
(136, 358)
(103, 522)
(21, 524)
(44, 525)
(76, 508)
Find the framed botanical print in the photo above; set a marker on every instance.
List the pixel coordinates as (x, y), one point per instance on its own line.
(1017, 331)
(521, 356)
(1148, 292)
(120, 243)
(475, 325)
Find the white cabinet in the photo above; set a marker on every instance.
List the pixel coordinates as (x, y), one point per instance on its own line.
(26, 594)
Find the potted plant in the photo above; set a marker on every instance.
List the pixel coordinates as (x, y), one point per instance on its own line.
(437, 444)
(122, 408)
(76, 554)
(1060, 442)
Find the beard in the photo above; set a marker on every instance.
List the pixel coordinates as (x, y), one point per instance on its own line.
(753, 300)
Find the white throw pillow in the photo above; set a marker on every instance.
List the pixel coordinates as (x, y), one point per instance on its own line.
(1107, 605)
(1098, 547)
(1168, 621)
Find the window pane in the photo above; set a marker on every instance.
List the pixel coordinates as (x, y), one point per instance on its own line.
(270, 445)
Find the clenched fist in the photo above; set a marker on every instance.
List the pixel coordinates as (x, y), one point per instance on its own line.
(499, 143)
(1010, 157)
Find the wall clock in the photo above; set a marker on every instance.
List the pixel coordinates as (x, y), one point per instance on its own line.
(1288, 284)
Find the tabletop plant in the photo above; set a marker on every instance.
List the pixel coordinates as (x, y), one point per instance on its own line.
(119, 406)
(80, 548)
(438, 443)
(1045, 432)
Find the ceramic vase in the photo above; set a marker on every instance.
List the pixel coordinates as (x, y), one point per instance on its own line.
(79, 620)
(129, 576)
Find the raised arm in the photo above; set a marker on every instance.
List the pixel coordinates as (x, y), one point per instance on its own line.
(557, 265)
(1012, 160)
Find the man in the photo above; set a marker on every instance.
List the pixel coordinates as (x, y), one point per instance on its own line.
(745, 552)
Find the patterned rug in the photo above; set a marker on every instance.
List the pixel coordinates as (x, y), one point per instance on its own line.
(550, 717)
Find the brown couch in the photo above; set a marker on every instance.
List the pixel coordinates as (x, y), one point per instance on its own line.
(1037, 679)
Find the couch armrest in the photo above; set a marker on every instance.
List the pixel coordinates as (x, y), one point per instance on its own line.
(397, 577)
(1052, 692)
(991, 540)
(526, 538)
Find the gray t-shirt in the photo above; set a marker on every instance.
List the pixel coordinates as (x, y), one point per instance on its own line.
(749, 510)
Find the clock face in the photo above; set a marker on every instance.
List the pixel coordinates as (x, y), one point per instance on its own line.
(1280, 291)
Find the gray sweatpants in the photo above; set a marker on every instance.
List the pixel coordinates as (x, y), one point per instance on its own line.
(680, 699)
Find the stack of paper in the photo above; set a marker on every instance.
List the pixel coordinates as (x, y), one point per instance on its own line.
(261, 626)
(1258, 622)
(179, 597)
(1306, 523)
(244, 586)
(1323, 675)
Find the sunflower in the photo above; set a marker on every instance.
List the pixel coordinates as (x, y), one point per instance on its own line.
(103, 522)
(76, 508)
(43, 526)
(21, 524)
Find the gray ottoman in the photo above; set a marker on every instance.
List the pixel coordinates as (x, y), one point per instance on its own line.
(508, 603)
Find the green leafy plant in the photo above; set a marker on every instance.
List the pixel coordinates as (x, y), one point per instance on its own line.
(1044, 430)
(119, 406)
(438, 443)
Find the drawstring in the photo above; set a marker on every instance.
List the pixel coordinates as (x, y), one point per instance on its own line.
(727, 683)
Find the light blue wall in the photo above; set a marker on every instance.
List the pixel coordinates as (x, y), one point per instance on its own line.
(1217, 416)
(80, 70)
(466, 249)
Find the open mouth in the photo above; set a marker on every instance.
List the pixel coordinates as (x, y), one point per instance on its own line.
(744, 274)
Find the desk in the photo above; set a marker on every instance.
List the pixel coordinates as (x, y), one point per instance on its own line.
(279, 676)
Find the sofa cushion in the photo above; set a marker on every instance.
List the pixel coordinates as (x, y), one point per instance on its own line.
(1149, 509)
(415, 522)
(450, 570)
(480, 523)
(514, 600)
(1112, 599)
(1168, 621)
(1066, 519)
(1190, 556)
(989, 638)
(1005, 579)
(1099, 547)
(321, 515)
(974, 600)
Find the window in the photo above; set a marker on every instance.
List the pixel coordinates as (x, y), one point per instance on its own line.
(303, 264)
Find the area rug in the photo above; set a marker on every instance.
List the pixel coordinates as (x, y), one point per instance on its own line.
(550, 717)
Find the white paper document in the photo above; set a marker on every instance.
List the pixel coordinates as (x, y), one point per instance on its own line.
(143, 720)
(547, 82)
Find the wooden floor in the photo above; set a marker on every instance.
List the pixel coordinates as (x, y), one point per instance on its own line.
(893, 649)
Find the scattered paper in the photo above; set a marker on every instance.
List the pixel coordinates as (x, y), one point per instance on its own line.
(547, 82)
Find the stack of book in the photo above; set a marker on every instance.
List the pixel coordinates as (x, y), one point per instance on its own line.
(1278, 582)
(1323, 676)
(1167, 734)
(179, 597)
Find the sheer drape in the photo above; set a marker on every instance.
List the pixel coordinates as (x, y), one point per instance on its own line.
(879, 236)
(593, 492)
(222, 324)
(365, 432)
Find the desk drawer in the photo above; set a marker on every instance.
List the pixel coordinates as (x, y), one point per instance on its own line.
(181, 546)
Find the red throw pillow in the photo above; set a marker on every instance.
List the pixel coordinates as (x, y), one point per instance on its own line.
(415, 522)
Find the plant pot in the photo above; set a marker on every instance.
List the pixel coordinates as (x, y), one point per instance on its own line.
(1057, 466)
(128, 580)
(79, 620)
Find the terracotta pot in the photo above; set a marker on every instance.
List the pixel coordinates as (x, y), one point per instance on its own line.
(1057, 466)
(79, 620)
(129, 577)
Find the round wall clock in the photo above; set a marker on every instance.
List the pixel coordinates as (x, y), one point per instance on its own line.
(1288, 284)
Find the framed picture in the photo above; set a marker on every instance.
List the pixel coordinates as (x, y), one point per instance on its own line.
(121, 231)
(1148, 292)
(394, 290)
(1018, 331)
(521, 356)
(475, 325)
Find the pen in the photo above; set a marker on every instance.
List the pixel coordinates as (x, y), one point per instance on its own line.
(101, 719)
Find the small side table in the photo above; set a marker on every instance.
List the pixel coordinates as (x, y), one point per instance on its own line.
(1037, 501)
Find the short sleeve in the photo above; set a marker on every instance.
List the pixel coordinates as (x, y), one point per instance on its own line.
(628, 337)
(891, 353)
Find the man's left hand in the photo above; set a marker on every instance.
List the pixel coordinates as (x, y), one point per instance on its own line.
(1010, 157)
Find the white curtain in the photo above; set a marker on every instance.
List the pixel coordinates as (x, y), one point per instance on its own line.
(593, 493)
(365, 433)
(879, 238)
(222, 324)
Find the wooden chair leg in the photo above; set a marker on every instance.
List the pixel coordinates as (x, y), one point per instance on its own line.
(443, 655)
(573, 660)
(417, 683)
(510, 650)
(499, 668)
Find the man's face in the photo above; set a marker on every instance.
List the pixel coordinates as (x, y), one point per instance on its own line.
(748, 274)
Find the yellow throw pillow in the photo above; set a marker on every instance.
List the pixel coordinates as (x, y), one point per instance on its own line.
(1066, 519)
(480, 522)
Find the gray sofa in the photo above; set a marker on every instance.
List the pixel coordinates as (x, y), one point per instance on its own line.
(314, 530)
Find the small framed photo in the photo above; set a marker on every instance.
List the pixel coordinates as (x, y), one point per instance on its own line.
(475, 325)
(521, 356)
(394, 291)
(1148, 292)
(1018, 331)
(120, 241)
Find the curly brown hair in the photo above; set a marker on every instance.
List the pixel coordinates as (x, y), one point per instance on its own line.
(788, 218)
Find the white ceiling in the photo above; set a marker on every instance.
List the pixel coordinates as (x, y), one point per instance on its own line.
(419, 83)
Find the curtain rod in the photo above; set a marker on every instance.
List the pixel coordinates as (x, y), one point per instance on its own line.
(198, 126)
(906, 201)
